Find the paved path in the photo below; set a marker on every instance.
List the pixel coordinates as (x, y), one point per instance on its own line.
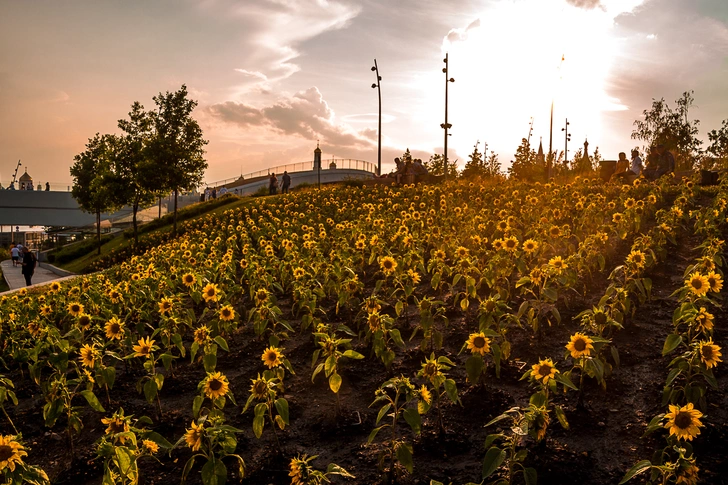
(16, 280)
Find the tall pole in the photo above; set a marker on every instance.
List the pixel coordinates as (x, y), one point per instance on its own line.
(446, 125)
(567, 137)
(551, 142)
(375, 68)
(530, 131)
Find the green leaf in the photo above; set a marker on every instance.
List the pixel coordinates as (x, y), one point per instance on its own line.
(374, 432)
(125, 461)
(493, 459)
(404, 456)
(109, 376)
(383, 412)
(150, 390)
(197, 405)
(258, 424)
(561, 417)
(399, 308)
(414, 419)
(335, 382)
(615, 355)
(671, 343)
(330, 365)
(452, 390)
(210, 362)
(282, 408)
(158, 439)
(474, 367)
(219, 340)
(353, 354)
(92, 401)
(208, 473)
(640, 467)
(530, 475)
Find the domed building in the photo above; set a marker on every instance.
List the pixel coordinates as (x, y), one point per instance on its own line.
(26, 181)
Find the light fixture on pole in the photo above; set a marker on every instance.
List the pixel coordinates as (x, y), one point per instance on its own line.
(530, 131)
(567, 139)
(446, 126)
(375, 68)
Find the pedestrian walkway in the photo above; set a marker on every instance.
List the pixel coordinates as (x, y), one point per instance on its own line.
(16, 280)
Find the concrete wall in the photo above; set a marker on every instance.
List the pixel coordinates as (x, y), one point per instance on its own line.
(41, 208)
(309, 177)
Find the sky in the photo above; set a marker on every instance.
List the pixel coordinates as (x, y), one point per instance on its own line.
(275, 77)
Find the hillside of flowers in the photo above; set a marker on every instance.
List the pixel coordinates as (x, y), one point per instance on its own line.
(456, 333)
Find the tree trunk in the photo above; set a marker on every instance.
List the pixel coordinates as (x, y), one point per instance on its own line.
(98, 231)
(174, 227)
(135, 208)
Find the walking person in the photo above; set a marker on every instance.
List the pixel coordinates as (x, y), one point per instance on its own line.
(28, 263)
(636, 166)
(15, 253)
(286, 182)
(272, 184)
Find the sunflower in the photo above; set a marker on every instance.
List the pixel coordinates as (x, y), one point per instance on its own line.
(227, 313)
(636, 258)
(687, 474)
(299, 273)
(715, 281)
(351, 285)
(114, 328)
(115, 425)
(684, 422)
(430, 369)
(34, 329)
(216, 385)
(165, 306)
(554, 231)
(439, 254)
(188, 279)
(461, 252)
(202, 335)
(144, 347)
(88, 355)
(45, 310)
(529, 246)
(580, 345)
(300, 470)
(544, 370)
(388, 265)
(360, 245)
(11, 453)
(261, 296)
(698, 284)
(259, 389)
(629, 203)
(497, 244)
(558, 264)
(84, 321)
(425, 394)
(272, 357)
(210, 292)
(193, 436)
(150, 446)
(75, 309)
(704, 320)
(709, 353)
(617, 217)
(55, 287)
(478, 343)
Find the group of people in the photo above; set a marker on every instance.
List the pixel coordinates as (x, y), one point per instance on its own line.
(29, 186)
(273, 183)
(659, 162)
(409, 167)
(24, 257)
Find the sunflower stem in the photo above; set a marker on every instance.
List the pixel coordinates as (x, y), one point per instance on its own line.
(11, 421)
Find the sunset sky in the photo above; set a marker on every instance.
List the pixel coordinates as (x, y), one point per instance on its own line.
(273, 76)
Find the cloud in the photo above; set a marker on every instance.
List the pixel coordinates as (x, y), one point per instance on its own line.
(460, 35)
(586, 4)
(305, 115)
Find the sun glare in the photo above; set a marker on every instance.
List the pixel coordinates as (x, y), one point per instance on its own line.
(509, 69)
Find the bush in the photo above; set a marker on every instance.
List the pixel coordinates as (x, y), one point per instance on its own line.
(261, 192)
(77, 250)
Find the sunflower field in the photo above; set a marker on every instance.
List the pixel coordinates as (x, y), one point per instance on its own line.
(458, 333)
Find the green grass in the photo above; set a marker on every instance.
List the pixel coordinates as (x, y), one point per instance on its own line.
(79, 264)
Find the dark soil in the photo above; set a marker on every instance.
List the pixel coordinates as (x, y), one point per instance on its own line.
(603, 442)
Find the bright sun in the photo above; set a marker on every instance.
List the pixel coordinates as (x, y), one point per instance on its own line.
(509, 69)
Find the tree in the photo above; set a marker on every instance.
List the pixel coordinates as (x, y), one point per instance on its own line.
(492, 167)
(176, 147)
(719, 145)
(525, 165)
(436, 166)
(475, 166)
(91, 174)
(133, 171)
(673, 128)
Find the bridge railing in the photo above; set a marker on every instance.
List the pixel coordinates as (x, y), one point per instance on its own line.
(341, 163)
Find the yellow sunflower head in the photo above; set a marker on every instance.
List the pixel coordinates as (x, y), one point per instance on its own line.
(425, 394)
(636, 258)
(144, 347)
(510, 244)
(697, 284)
(430, 369)
(259, 388)
(165, 305)
(715, 281)
(388, 265)
(88, 355)
(150, 446)
(709, 353)
(580, 345)
(210, 292)
(529, 246)
(188, 279)
(227, 313)
(544, 370)
(114, 329)
(478, 343)
(216, 385)
(11, 452)
(75, 308)
(272, 357)
(202, 335)
(84, 321)
(684, 422)
(558, 264)
(299, 273)
(118, 423)
(193, 436)
(704, 321)
(261, 296)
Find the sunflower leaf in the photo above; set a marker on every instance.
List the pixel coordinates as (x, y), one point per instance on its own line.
(404, 456)
(640, 467)
(493, 459)
(671, 343)
(414, 419)
(383, 412)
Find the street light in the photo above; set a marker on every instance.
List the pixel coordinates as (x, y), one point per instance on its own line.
(379, 142)
(446, 126)
(567, 139)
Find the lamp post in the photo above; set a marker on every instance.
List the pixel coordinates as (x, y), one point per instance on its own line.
(551, 140)
(530, 131)
(375, 68)
(567, 138)
(446, 126)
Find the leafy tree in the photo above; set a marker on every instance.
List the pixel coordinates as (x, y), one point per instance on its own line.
(133, 171)
(436, 166)
(492, 167)
(525, 166)
(719, 145)
(663, 125)
(91, 174)
(176, 147)
(475, 166)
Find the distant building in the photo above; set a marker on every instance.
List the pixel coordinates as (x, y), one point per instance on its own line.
(26, 181)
